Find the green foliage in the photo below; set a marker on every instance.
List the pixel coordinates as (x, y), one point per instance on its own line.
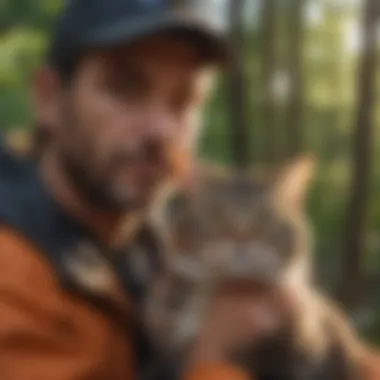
(37, 14)
(20, 52)
(24, 27)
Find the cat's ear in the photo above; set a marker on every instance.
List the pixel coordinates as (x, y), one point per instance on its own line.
(292, 182)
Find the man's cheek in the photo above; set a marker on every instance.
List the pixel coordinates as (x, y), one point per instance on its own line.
(185, 146)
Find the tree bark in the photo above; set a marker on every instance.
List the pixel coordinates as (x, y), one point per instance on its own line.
(237, 89)
(294, 110)
(268, 72)
(353, 245)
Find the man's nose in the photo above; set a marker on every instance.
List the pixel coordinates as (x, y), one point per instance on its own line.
(158, 126)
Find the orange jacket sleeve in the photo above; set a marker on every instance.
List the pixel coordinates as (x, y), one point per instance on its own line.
(369, 365)
(33, 344)
(215, 372)
(47, 333)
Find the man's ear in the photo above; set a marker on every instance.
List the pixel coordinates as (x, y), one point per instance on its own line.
(46, 94)
(292, 182)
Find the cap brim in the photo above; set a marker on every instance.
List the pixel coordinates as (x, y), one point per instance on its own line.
(211, 40)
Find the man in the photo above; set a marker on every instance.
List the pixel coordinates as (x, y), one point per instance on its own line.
(117, 104)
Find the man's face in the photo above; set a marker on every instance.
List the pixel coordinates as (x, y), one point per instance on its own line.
(128, 121)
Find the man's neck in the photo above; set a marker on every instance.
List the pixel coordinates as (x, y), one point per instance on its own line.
(112, 228)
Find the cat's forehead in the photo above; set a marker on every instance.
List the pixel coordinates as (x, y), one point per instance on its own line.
(235, 196)
(235, 188)
(243, 187)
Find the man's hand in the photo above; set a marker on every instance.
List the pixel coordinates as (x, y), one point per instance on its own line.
(238, 316)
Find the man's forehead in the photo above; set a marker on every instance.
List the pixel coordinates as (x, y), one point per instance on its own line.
(164, 48)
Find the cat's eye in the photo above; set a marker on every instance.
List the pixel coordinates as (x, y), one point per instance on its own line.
(176, 299)
(199, 227)
(209, 231)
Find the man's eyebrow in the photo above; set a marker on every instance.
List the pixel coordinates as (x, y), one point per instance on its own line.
(122, 69)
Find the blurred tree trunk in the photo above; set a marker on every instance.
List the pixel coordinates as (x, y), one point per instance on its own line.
(294, 109)
(268, 73)
(237, 88)
(354, 240)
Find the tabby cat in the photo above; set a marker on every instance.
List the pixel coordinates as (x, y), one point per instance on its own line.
(233, 227)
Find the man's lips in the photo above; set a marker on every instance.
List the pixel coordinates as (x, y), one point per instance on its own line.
(144, 173)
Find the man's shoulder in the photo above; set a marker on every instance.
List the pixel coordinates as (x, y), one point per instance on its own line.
(33, 228)
(18, 188)
(22, 267)
(12, 241)
(27, 207)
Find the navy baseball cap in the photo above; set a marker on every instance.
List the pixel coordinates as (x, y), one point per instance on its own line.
(86, 24)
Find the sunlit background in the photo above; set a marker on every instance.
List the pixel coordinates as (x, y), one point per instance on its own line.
(307, 83)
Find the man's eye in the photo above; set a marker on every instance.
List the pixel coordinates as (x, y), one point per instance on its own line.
(125, 87)
(175, 300)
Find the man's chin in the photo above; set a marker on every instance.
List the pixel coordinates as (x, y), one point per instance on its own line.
(116, 203)
(124, 205)
(126, 202)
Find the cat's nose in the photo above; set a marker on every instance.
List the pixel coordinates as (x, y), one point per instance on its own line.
(255, 258)
(241, 261)
(242, 254)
